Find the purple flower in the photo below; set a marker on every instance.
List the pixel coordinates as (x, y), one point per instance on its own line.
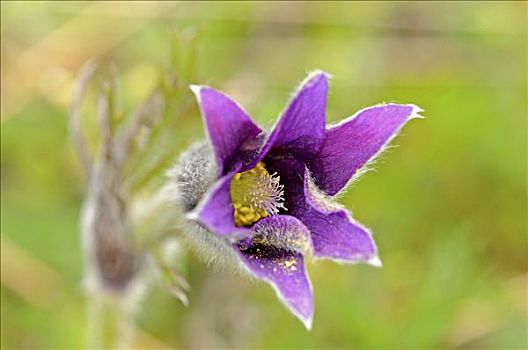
(272, 199)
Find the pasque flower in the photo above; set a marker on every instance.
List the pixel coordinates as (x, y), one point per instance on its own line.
(272, 196)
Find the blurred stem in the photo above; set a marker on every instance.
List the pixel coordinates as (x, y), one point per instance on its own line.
(93, 322)
(109, 325)
(125, 163)
(85, 76)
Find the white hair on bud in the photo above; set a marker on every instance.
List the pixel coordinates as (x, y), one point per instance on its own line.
(112, 261)
(215, 250)
(194, 173)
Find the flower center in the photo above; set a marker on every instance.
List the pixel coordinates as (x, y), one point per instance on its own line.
(256, 194)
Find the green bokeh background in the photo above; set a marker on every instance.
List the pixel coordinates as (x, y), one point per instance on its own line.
(447, 206)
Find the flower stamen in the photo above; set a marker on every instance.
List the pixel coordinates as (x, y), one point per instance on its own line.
(256, 194)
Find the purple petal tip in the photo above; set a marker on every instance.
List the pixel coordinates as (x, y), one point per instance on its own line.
(306, 320)
(375, 261)
(416, 112)
(196, 89)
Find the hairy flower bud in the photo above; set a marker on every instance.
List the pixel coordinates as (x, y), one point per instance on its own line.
(193, 174)
(107, 232)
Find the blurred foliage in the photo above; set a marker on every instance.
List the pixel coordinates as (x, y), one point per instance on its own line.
(448, 206)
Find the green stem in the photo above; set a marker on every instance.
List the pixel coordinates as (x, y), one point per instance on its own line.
(109, 324)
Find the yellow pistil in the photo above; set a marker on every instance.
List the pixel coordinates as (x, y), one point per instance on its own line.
(255, 194)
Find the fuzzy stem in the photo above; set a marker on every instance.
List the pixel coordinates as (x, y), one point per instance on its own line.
(116, 239)
(93, 322)
(109, 325)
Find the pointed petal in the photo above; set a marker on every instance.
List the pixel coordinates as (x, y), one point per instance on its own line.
(351, 144)
(338, 237)
(284, 271)
(334, 233)
(300, 128)
(215, 210)
(229, 128)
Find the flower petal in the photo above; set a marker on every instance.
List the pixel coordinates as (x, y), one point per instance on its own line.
(229, 128)
(351, 144)
(285, 271)
(334, 233)
(300, 129)
(283, 231)
(215, 210)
